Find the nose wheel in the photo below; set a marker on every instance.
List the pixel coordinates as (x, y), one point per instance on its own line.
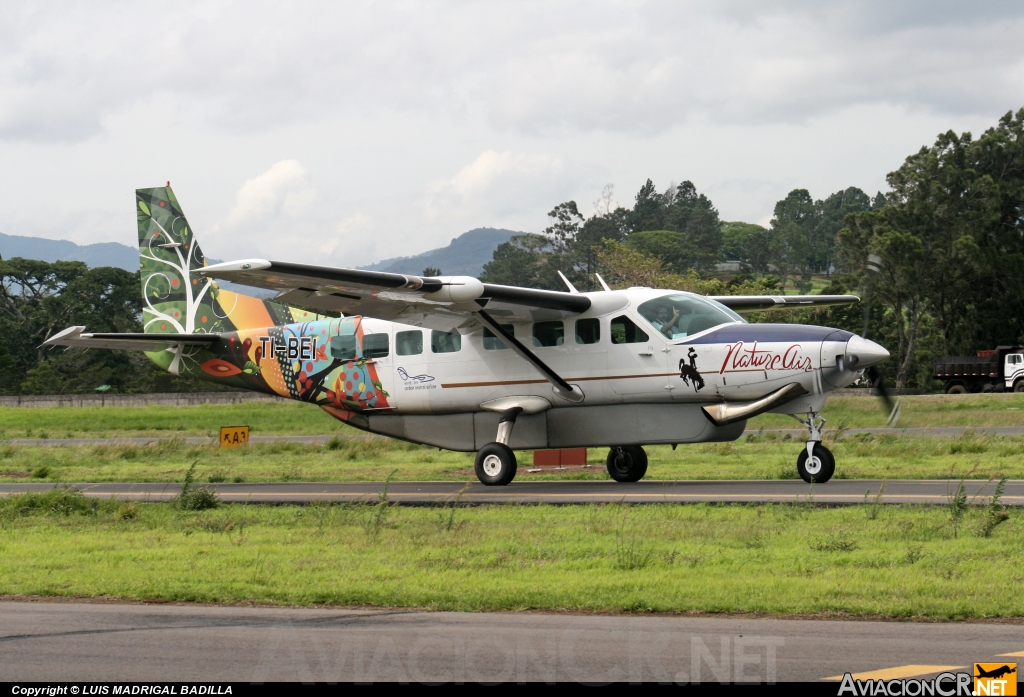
(815, 464)
(818, 466)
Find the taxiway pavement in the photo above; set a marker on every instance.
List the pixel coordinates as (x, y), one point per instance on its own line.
(835, 492)
(75, 641)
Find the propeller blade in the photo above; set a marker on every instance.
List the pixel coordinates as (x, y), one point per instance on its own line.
(892, 406)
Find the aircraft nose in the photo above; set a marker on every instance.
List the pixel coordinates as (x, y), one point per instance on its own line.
(868, 353)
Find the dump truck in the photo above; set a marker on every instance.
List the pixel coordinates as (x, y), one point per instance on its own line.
(995, 370)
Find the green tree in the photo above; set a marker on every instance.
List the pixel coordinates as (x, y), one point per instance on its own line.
(667, 245)
(648, 211)
(565, 226)
(793, 228)
(44, 379)
(735, 236)
(830, 216)
(522, 261)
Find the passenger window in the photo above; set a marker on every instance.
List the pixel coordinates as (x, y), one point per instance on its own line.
(343, 347)
(624, 331)
(588, 331)
(548, 333)
(409, 343)
(445, 342)
(492, 342)
(375, 345)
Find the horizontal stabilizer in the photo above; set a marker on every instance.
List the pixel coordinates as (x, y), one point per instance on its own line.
(75, 336)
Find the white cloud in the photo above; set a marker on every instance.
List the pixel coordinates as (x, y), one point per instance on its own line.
(280, 191)
(395, 127)
(494, 187)
(526, 67)
(274, 211)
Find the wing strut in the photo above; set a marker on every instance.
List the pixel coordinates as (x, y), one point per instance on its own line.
(562, 388)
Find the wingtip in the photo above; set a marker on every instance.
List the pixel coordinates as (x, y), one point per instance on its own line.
(58, 338)
(240, 265)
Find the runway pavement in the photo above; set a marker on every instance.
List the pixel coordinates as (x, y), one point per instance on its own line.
(72, 641)
(837, 491)
(943, 432)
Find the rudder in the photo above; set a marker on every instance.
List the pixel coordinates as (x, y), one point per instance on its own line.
(176, 300)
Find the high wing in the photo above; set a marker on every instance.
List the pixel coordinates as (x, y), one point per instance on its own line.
(74, 336)
(753, 303)
(444, 303)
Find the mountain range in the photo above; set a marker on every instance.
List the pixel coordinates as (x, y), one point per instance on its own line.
(99, 254)
(464, 256)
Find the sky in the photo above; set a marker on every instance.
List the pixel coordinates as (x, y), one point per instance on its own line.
(344, 133)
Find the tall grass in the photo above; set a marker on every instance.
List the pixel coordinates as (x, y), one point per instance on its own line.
(904, 562)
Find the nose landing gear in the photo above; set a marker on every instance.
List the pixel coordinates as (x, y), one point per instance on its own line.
(815, 463)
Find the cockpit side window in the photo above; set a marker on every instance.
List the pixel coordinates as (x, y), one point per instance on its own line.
(624, 331)
(677, 316)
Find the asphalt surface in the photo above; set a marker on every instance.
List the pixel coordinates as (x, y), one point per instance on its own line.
(797, 433)
(837, 491)
(68, 641)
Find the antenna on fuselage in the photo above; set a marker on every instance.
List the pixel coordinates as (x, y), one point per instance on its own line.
(601, 281)
(572, 288)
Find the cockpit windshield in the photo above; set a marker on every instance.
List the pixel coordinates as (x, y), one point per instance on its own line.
(678, 316)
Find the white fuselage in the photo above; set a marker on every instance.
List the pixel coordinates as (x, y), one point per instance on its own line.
(739, 368)
(638, 391)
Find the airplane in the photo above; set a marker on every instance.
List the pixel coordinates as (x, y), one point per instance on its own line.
(462, 365)
(994, 673)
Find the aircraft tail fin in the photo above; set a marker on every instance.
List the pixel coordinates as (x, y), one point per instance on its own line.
(176, 300)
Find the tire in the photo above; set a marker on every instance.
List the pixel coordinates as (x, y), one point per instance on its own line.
(823, 471)
(956, 389)
(495, 464)
(1018, 386)
(627, 463)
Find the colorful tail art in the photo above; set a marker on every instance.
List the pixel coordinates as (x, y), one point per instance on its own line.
(178, 301)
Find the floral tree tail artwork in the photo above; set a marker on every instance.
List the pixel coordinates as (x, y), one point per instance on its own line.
(179, 301)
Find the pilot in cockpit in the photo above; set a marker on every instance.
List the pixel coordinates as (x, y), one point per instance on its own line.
(665, 318)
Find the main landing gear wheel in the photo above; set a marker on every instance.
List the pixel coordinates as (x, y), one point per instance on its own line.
(495, 464)
(818, 468)
(627, 463)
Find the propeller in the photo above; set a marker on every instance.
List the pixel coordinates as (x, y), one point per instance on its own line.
(892, 406)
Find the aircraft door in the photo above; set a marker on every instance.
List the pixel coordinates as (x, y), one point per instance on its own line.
(638, 360)
(364, 363)
(376, 351)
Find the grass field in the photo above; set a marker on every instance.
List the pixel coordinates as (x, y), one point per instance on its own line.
(303, 419)
(777, 559)
(763, 456)
(759, 454)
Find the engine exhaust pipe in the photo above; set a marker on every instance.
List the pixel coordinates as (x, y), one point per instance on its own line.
(722, 414)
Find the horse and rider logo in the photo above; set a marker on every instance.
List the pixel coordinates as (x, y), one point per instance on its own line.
(688, 371)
